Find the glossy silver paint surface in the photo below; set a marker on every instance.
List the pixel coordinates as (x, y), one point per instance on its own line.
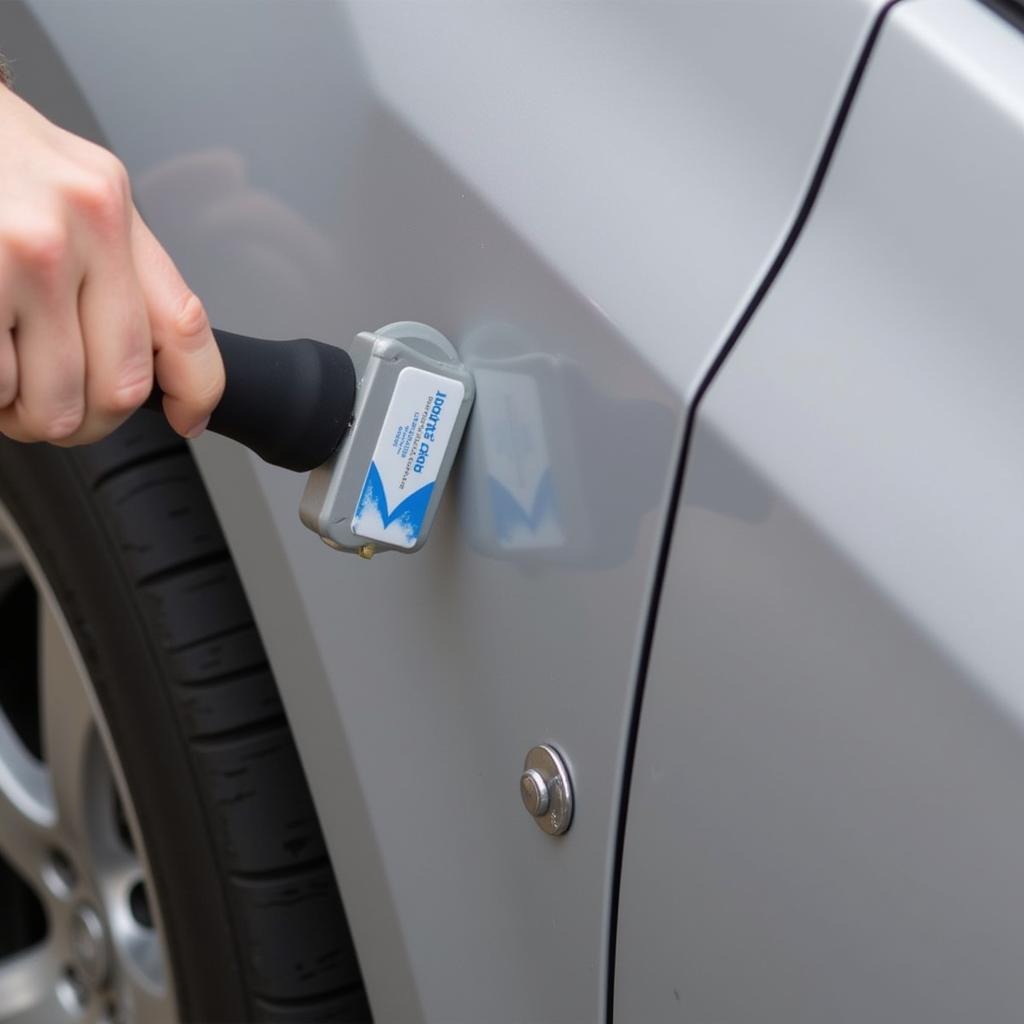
(581, 196)
(826, 819)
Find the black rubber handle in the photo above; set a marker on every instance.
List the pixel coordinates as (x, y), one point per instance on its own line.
(288, 401)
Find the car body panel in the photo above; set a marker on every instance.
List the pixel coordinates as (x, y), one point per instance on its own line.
(825, 820)
(583, 197)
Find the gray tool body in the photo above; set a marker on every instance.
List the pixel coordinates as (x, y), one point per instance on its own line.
(382, 487)
(378, 424)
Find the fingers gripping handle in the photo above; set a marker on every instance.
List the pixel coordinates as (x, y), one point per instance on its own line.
(290, 402)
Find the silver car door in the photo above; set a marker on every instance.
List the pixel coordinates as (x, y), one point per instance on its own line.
(825, 821)
(583, 197)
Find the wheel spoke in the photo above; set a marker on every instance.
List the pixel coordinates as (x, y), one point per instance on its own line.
(27, 809)
(28, 988)
(143, 982)
(63, 828)
(67, 723)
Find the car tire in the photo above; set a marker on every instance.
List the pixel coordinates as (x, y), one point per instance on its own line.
(128, 540)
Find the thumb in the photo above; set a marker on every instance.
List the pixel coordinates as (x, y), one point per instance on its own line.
(187, 361)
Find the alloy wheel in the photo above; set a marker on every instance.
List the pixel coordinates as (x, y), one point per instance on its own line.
(88, 945)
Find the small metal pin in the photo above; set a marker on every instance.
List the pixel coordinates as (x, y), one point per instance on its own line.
(367, 551)
(534, 791)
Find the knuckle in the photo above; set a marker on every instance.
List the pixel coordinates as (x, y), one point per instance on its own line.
(62, 423)
(115, 172)
(191, 322)
(123, 386)
(127, 396)
(103, 195)
(208, 396)
(42, 246)
(100, 200)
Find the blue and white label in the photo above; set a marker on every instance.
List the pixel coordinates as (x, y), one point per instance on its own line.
(410, 450)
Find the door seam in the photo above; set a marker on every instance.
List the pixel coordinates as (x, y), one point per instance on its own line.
(675, 497)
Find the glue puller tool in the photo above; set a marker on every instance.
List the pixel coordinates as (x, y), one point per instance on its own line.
(377, 426)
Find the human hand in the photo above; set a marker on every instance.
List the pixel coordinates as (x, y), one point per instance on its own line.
(90, 303)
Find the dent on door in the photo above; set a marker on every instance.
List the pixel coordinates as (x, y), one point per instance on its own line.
(825, 821)
(580, 197)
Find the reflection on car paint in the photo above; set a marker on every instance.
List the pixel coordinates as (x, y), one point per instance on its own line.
(545, 450)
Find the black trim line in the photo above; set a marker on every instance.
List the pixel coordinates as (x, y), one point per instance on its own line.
(807, 205)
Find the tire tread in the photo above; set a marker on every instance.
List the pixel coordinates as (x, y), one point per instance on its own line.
(286, 912)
